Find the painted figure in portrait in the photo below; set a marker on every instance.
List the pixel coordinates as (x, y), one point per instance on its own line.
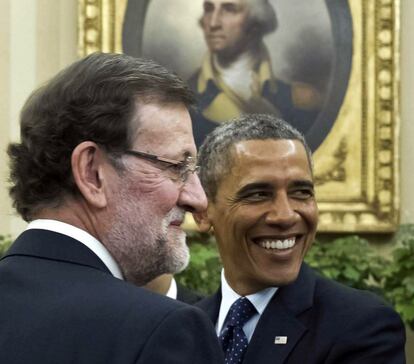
(236, 75)
(285, 57)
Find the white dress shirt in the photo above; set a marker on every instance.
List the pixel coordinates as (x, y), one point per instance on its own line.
(240, 74)
(259, 300)
(172, 291)
(83, 237)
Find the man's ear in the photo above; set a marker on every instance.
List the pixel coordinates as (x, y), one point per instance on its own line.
(202, 220)
(88, 173)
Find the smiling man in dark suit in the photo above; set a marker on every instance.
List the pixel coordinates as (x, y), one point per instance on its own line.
(103, 174)
(271, 307)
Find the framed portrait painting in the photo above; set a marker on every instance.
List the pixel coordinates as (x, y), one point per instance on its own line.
(328, 67)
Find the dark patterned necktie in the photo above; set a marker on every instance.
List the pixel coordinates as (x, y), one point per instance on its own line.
(232, 338)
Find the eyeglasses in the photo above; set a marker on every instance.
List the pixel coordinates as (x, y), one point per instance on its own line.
(182, 169)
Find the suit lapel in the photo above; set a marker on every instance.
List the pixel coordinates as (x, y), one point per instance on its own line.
(281, 318)
(211, 305)
(276, 321)
(51, 245)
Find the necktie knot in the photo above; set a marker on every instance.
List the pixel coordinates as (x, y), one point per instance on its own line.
(240, 312)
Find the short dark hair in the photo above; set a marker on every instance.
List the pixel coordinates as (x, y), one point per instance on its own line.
(214, 155)
(91, 100)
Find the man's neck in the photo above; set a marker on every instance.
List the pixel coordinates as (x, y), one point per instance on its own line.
(75, 213)
(246, 60)
(225, 59)
(161, 284)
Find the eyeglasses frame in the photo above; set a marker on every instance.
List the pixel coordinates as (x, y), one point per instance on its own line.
(184, 164)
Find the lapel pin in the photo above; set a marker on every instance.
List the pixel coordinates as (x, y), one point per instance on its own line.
(281, 340)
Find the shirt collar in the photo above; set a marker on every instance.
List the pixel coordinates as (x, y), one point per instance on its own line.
(83, 237)
(206, 73)
(172, 291)
(259, 299)
(264, 70)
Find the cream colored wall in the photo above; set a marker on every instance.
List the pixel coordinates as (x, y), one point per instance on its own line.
(37, 38)
(4, 114)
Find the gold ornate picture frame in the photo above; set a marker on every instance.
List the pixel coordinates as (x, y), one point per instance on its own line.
(357, 161)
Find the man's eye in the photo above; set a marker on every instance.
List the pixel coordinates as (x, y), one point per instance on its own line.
(302, 194)
(179, 167)
(231, 8)
(257, 196)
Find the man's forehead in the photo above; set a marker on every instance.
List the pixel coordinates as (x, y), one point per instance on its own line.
(251, 146)
(259, 161)
(164, 129)
(263, 150)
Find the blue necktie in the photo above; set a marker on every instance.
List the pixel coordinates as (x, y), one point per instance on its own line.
(232, 338)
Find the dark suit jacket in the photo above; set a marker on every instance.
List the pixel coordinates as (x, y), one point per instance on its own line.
(60, 304)
(324, 322)
(188, 296)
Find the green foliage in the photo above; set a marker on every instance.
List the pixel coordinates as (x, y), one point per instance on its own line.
(399, 281)
(349, 260)
(5, 242)
(203, 272)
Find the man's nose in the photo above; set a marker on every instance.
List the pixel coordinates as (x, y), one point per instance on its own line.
(214, 20)
(192, 196)
(281, 212)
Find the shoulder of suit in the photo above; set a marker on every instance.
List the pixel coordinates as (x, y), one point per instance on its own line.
(341, 297)
(188, 296)
(124, 297)
(305, 96)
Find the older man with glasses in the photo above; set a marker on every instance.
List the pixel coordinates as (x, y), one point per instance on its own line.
(104, 174)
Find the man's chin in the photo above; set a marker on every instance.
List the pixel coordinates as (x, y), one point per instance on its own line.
(216, 47)
(181, 261)
(285, 278)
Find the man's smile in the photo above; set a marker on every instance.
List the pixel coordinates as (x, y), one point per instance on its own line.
(279, 244)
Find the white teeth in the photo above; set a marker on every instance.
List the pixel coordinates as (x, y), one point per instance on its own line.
(278, 244)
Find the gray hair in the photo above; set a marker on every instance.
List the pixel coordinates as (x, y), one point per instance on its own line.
(215, 153)
(262, 16)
